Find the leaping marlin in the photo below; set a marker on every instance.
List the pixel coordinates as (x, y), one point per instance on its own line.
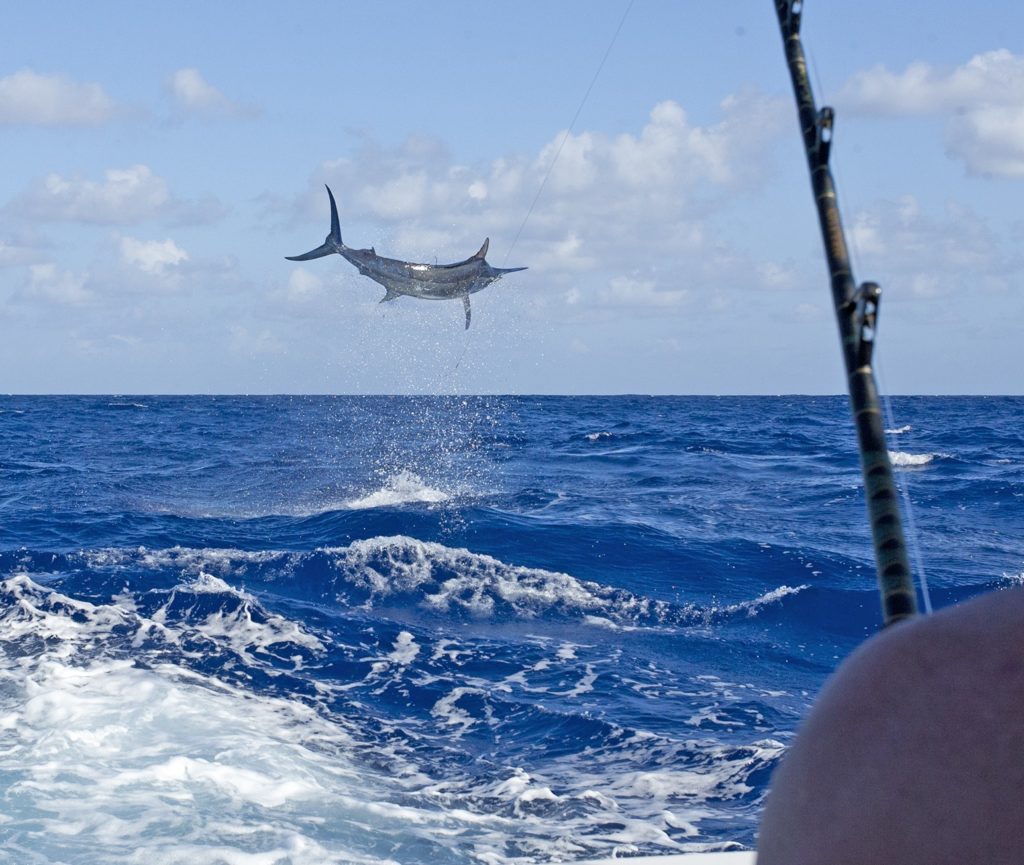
(430, 281)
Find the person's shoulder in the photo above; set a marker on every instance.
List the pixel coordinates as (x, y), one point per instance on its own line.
(914, 747)
(968, 638)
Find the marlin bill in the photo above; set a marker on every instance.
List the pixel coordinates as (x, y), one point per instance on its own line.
(429, 281)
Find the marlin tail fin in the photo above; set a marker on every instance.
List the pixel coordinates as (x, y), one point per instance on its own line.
(332, 243)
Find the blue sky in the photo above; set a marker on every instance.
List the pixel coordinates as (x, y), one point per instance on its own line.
(162, 159)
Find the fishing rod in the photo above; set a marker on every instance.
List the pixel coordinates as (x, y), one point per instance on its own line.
(857, 316)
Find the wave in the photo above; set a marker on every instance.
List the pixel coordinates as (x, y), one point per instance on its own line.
(402, 488)
(899, 430)
(400, 574)
(902, 459)
(136, 714)
(114, 728)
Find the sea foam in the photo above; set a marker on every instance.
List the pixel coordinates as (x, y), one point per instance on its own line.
(902, 460)
(402, 488)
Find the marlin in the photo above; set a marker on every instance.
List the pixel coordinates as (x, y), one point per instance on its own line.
(429, 281)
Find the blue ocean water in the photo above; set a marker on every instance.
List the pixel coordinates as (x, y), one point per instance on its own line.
(444, 629)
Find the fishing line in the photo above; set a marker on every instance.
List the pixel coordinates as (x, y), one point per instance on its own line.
(903, 481)
(554, 161)
(904, 487)
(465, 348)
(568, 131)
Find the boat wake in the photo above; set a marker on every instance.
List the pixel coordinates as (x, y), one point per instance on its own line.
(190, 704)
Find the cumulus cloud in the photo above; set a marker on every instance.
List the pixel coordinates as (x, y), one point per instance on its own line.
(48, 282)
(124, 196)
(157, 257)
(29, 98)
(641, 293)
(194, 96)
(913, 253)
(16, 251)
(983, 101)
(606, 201)
(662, 165)
(303, 286)
(990, 140)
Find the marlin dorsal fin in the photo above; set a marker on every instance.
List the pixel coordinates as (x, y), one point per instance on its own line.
(482, 254)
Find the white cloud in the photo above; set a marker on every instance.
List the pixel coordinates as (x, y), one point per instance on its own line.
(606, 201)
(194, 96)
(156, 257)
(640, 293)
(48, 282)
(657, 169)
(303, 286)
(124, 196)
(990, 139)
(775, 275)
(908, 250)
(17, 251)
(983, 100)
(28, 98)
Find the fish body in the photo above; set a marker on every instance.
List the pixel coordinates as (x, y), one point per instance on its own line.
(410, 279)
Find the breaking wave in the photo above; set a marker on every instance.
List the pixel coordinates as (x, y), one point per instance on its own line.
(901, 459)
(402, 488)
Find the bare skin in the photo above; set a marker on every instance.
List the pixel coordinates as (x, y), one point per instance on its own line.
(914, 751)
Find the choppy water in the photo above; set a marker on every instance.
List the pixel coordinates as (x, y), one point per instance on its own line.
(334, 630)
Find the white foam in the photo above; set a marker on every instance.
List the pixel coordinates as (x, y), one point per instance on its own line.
(567, 652)
(402, 488)
(106, 760)
(753, 607)
(189, 769)
(110, 762)
(583, 686)
(449, 713)
(451, 579)
(899, 431)
(406, 649)
(901, 459)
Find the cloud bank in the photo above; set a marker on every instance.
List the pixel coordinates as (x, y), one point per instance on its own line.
(982, 100)
(607, 203)
(195, 97)
(124, 196)
(32, 99)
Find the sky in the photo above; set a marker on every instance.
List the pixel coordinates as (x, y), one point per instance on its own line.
(642, 159)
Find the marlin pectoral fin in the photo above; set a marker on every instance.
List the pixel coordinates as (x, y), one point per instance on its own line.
(391, 295)
(319, 252)
(469, 312)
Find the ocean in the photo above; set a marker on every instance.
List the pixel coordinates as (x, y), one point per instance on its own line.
(256, 630)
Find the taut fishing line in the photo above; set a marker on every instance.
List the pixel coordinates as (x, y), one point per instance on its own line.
(902, 481)
(558, 152)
